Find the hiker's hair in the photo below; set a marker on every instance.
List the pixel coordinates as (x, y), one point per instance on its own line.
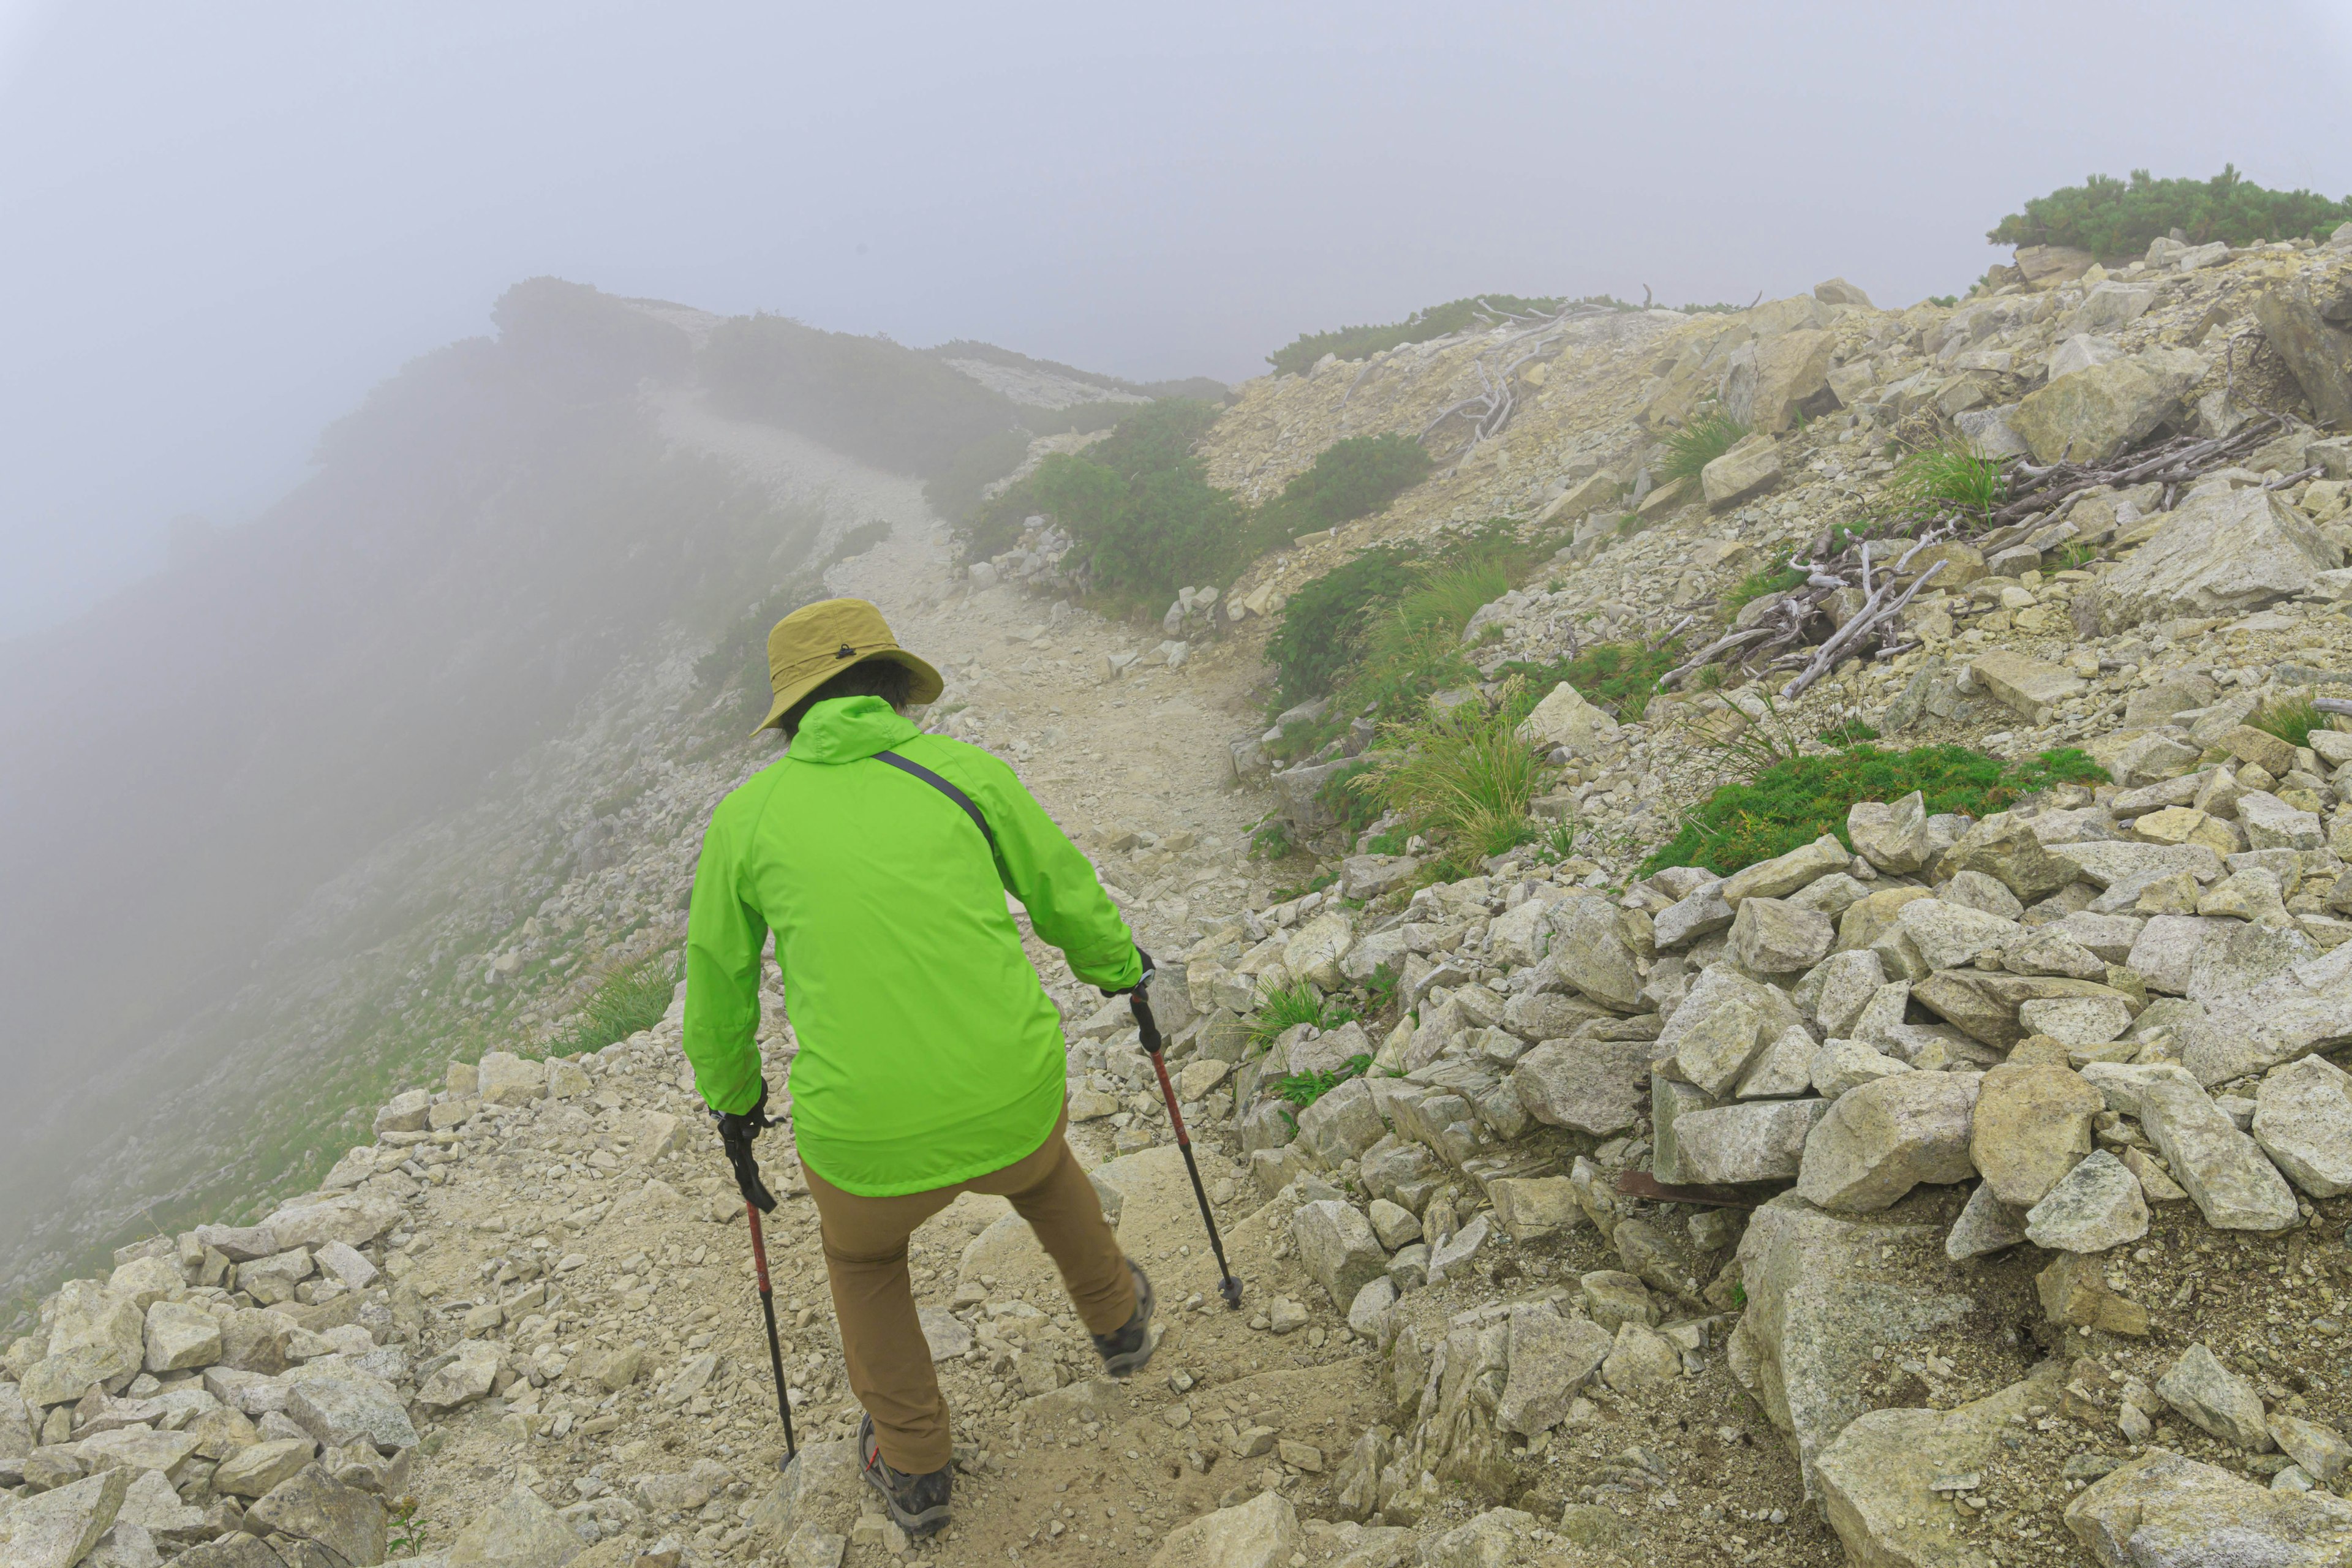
(887, 679)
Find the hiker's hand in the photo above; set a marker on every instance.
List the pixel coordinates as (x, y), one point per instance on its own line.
(742, 1126)
(1143, 977)
(736, 1131)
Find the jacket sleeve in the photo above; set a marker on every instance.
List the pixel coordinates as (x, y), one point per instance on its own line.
(724, 935)
(1054, 882)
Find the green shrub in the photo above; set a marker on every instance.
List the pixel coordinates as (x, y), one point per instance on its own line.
(1796, 801)
(1292, 1006)
(1704, 439)
(1144, 520)
(1461, 774)
(866, 397)
(1304, 1088)
(1325, 623)
(1619, 677)
(955, 493)
(1356, 810)
(1757, 585)
(1950, 475)
(1945, 300)
(1350, 478)
(1435, 321)
(2110, 217)
(631, 997)
(2291, 719)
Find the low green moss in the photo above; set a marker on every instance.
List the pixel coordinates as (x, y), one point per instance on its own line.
(1795, 802)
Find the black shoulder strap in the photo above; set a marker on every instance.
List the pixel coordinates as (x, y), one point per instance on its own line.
(918, 770)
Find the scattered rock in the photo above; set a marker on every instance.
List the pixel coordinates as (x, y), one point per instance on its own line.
(2098, 1205)
(2162, 1508)
(1883, 1139)
(2209, 1396)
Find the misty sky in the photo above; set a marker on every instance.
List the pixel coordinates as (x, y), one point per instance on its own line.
(224, 222)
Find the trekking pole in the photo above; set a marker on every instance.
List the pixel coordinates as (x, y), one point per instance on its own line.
(1148, 1028)
(757, 1198)
(768, 1307)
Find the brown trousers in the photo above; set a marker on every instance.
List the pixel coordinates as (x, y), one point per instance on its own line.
(881, 1337)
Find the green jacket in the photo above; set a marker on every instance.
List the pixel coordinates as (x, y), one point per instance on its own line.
(928, 1052)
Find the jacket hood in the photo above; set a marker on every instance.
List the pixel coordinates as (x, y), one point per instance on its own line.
(849, 730)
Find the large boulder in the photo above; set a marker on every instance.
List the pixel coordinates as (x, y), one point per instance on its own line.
(2308, 319)
(2162, 1508)
(95, 1336)
(313, 1506)
(1766, 384)
(1588, 1085)
(1757, 1140)
(1589, 951)
(2224, 552)
(2303, 1120)
(1565, 719)
(2032, 1125)
(1879, 1479)
(1880, 1141)
(58, 1528)
(1827, 1295)
(519, 1530)
(1337, 1247)
(1748, 469)
(2097, 414)
(2225, 1173)
(1260, 1534)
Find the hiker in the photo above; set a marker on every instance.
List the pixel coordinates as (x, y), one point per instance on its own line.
(931, 1062)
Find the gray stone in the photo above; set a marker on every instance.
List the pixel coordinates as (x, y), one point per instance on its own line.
(1564, 718)
(1457, 1249)
(1759, 1140)
(1551, 1357)
(2210, 1396)
(2098, 1205)
(1839, 1066)
(2302, 1120)
(1833, 995)
(1530, 1208)
(1589, 952)
(1748, 469)
(465, 1378)
(1341, 1124)
(352, 1407)
(1782, 1068)
(1986, 895)
(239, 1244)
(1393, 1224)
(2032, 1126)
(2272, 824)
(1949, 936)
(2222, 1170)
(2110, 861)
(2025, 685)
(1893, 836)
(352, 1218)
(95, 1335)
(1613, 1297)
(1985, 1226)
(1337, 1248)
(1669, 1100)
(2162, 1510)
(1880, 1141)
(253, 1471)
(1785, 874)
(1772, 936)
(1700, 913)
(57, 1529)
(506, 1079)
(2166, 953)
(2321, 1450)
(181, 1335)
(1589, 1086)
(1719, 1028)
(519, 1530)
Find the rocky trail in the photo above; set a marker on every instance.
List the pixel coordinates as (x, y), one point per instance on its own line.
(1959, 1191)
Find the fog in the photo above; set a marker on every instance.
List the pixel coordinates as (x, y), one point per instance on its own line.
(309, 526)
(226, 222)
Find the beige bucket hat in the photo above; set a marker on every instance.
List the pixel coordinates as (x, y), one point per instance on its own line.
(817, 642)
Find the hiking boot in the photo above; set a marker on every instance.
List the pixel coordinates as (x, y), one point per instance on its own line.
(917, 1504)
(1127, 1350)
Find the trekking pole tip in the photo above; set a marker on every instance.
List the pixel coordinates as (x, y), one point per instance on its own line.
(1230, 1288)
